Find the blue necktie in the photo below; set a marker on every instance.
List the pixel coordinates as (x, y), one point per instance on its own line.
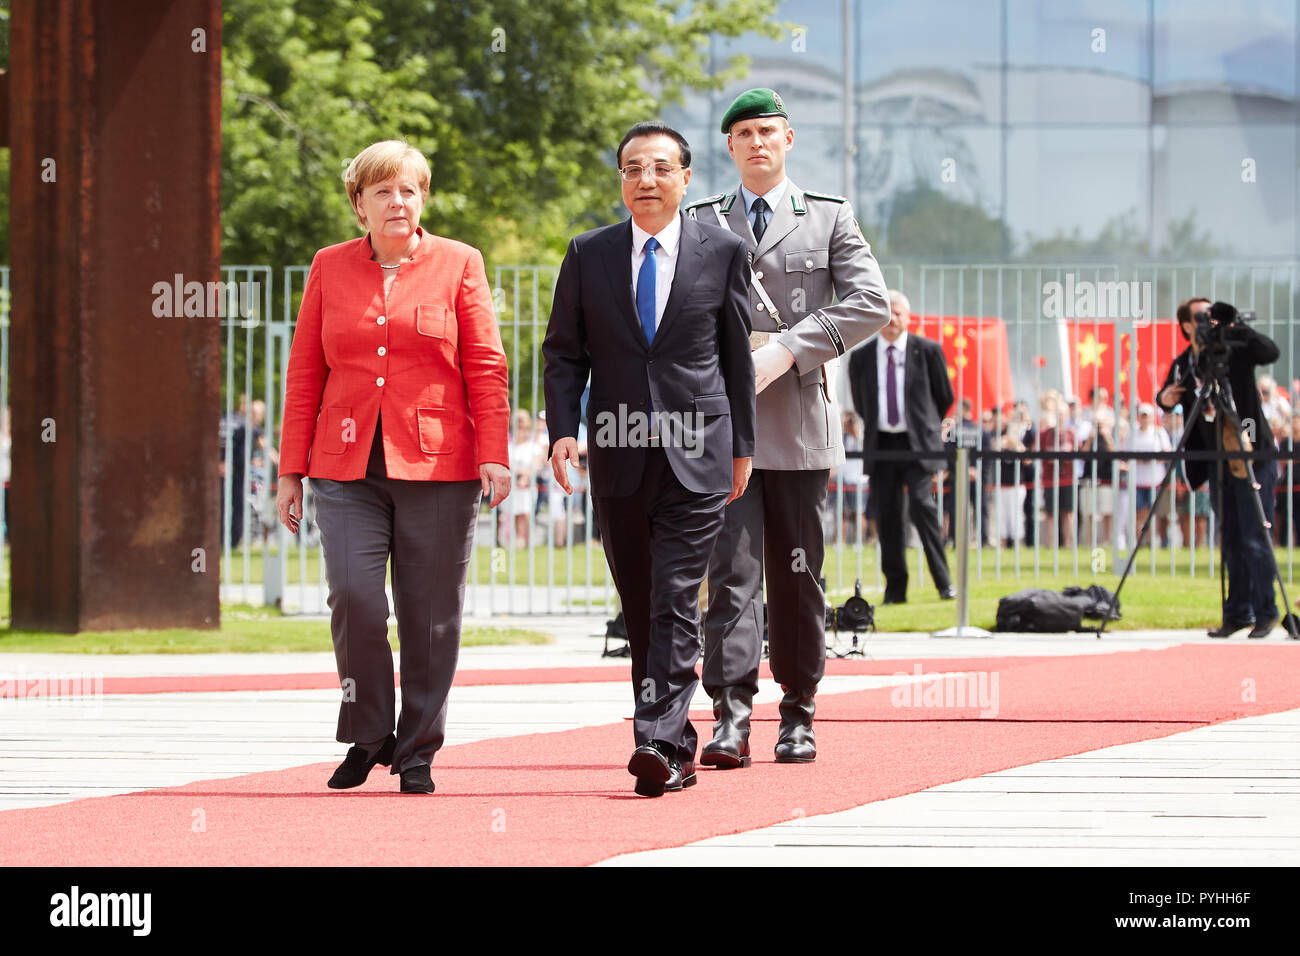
(645, 290)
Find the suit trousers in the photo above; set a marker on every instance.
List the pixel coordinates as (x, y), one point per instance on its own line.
(427, 527)
(892, 482)
(774, 529)
(1246, 545)
(657, 542)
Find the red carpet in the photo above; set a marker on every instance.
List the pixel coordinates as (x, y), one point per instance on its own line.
(608, 673)
(565, 798)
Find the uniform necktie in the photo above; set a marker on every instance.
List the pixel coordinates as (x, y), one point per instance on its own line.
(891, 386)
(760, 217)
(645, 289)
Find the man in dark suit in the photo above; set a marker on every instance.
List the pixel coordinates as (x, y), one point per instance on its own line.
(655, 310)
(901, 389)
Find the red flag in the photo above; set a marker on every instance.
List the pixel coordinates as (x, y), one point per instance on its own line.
(975, 349)
(1094, 350)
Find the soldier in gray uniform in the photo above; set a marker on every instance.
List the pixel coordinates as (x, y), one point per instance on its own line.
(808, 252)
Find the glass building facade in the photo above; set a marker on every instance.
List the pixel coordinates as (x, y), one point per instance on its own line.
(1035, 131)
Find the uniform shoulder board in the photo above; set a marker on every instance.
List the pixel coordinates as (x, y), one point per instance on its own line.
(809, 192)
(708, 201)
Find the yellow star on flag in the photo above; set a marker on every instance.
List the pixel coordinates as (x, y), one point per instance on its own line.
(948, 329)
(1090, 351)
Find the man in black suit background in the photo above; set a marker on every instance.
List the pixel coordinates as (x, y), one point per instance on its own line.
(655, 309)
(901, 389)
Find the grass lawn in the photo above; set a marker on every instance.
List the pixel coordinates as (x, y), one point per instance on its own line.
(244, 630)
(1148, 601)
(1158, 597)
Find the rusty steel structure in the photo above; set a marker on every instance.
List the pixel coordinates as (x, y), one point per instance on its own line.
(114, 130)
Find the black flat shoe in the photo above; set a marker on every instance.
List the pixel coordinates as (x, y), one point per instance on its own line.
(683, 776)
(652, 765)
(356, 766)
(417, 780)
(1263, 627)
(1229, 628)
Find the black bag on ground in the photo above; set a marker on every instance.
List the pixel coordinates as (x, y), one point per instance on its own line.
(1038, 610)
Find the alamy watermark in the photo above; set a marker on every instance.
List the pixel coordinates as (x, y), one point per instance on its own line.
(205, 300)
(1085, 299)
(62, 690)
(634, 428)
(969, 690)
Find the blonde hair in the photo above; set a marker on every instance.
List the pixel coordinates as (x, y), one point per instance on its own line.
(384, 160)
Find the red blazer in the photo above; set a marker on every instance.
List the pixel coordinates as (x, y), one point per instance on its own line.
(430, 358)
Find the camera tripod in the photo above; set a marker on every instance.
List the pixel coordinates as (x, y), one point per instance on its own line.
(1216, 391)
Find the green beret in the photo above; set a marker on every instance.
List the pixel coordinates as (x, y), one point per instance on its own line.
(751, 104)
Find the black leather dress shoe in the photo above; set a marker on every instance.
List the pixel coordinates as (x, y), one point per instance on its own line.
(1263, 627)
(1228, 628)
(652, 765)
(356, 766)
(894, 600)
(948, 593)
(795, 742)
(417, 780)
(683, 776)
(729, 747)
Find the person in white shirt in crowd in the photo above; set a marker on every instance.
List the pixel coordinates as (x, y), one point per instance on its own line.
(525, 458)
(1147, 473)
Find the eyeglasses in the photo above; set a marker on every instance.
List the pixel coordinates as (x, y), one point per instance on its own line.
(632, 174)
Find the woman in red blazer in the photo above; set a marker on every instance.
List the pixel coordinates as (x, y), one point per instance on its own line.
(396, 409)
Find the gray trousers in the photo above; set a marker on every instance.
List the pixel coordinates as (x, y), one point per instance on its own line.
(774, 529)
(428, 529)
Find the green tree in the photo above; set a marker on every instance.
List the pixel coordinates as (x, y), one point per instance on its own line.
(926, 224)
(1120, 239)
(518, 104)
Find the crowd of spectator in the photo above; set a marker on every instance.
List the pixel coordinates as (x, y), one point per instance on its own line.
(1058, 502)
(1012, 501)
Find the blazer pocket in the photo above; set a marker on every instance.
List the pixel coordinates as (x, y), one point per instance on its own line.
(431, 320)
(435, 433)
(336, 429)
(713, 404)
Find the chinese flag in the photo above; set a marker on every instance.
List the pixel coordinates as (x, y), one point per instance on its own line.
(1094, 348)
(976, 351)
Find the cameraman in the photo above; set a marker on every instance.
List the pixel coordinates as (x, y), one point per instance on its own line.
(1246, 548)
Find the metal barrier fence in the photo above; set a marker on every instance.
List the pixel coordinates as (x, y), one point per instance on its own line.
(1009, 331)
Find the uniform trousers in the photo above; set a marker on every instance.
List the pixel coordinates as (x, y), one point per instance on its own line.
(774, 530)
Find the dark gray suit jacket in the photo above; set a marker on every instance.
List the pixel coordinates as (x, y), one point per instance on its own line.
(927, 396)
(698, 367)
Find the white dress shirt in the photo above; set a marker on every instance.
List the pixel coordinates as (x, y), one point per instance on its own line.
(772, 197)
(669, 239)
(900, 374)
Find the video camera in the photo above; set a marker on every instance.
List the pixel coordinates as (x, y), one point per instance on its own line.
(1220, 324)
(1218, 329)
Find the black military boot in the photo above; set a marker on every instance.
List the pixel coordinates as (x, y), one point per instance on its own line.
(729, 747)
(794, 743)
